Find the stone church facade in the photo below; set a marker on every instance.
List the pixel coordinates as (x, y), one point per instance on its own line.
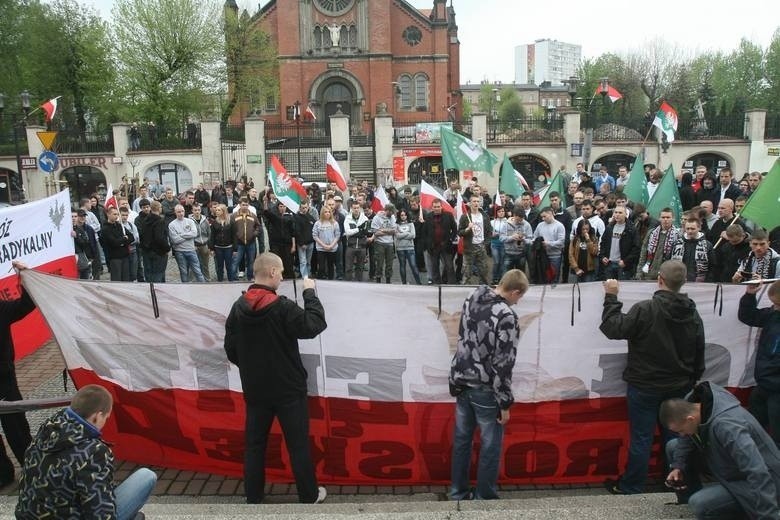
(364, 58)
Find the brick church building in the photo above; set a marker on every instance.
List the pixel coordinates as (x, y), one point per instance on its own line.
(364, 57)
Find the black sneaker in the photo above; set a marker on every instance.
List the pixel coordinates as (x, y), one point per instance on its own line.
(613, 486)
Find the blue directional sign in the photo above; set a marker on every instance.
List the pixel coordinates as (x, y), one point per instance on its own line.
(48, 161)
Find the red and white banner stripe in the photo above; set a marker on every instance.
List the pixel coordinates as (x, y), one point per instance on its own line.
(379, 402)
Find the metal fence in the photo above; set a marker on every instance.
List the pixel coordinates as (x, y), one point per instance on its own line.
(233, 132)
(84, 142)
(772, 128)
(544, 129)
(301, 148)
(7, 142)
(152, 137)
(716, 127)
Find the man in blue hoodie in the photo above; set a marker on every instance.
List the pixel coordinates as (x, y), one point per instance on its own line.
(765, 398)
(481, 379)
(261, 338)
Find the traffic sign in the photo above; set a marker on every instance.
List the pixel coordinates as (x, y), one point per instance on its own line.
(48, 161)
(47, 139)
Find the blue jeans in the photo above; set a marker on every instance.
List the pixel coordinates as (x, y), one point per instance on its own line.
(555, 262)
(154, 266)
(223, 260)
(188, 260)
(132, 494)
(407, 256)
(304, 259)
(248, 253)
(476, 407)
(293, 417)
(613, 270)
(643, 408)
(497, 252)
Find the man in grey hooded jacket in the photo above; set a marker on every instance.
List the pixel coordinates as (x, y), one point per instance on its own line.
(721, 436)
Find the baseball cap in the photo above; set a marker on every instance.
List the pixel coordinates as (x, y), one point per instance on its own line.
(338, 198)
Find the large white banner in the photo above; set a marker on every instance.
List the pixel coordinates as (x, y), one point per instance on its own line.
(38, 234)
(383, 342)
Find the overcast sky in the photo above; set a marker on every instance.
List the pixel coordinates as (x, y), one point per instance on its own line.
(489, 30)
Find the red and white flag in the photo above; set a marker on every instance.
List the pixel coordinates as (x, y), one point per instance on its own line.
(309, 114)
(110, 199)
(522, 180)
(50, 108)
(428, 194)
(333, 173)
(380, 200)
(612, 93)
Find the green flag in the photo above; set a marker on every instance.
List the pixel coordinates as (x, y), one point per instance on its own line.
(461, 153)
(508, 182)
(763, 206)
(556, 184)
(636, 187)
(667, 195)
(287, 189)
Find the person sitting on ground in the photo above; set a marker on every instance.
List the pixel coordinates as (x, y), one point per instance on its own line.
(68, 470)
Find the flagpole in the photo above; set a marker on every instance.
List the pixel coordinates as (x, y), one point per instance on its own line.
(720, 239)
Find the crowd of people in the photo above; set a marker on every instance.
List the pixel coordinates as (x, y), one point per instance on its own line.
(591, 232)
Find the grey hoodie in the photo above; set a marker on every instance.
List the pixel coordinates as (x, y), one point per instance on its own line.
(740, 454)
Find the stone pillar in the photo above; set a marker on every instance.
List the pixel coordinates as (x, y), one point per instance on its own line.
(571, 135)
(254, 135)
(35, 180)
(755, 126)
(339, 138)
(479, 129)
(211, 145)
(383, 137)
(121, 139)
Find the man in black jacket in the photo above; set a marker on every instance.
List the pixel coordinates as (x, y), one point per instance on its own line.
(665, 359)
(116, 241)
(439, 231)
(620, 247)
(261, 339)
(15, 426)
(153, 234)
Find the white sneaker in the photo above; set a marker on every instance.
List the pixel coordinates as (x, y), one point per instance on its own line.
(323, 493)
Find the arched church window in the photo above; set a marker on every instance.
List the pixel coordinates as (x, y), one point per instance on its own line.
(405, 85)
(318, 37)
(421, 91)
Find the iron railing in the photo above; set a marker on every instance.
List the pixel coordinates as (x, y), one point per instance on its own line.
(525, 129)
(772, 127)
(716, 127)
(151, 137)
(70, 141)
(233, 132)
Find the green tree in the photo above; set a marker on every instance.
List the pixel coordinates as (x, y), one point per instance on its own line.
(250, 62)
(510, 108)
(772, 72)
(170, 57)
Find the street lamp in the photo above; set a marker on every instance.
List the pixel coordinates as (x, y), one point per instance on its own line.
(494, 101)
(294, 114)
(586, 105)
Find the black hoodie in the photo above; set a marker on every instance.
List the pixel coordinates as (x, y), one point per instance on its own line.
(665, 340)
(261, 339)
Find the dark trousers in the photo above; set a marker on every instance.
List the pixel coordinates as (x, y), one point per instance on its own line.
(294, 419)
(765, 407)
(283, 250)
(438, 257)
(15, 426)
(356, 259)
(119, 269)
